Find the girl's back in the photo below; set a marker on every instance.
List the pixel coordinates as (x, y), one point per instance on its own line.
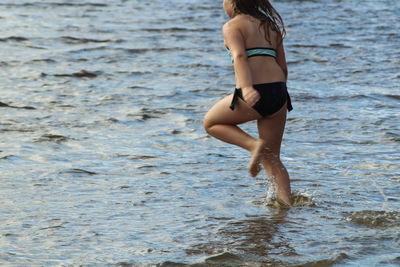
(264, 69)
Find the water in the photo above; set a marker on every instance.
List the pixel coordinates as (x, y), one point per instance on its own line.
(104, 160)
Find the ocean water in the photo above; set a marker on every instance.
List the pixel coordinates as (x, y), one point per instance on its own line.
(104, 161)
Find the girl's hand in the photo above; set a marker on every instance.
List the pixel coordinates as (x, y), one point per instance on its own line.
(250, 95)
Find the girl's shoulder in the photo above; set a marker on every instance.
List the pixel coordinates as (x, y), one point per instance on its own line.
(238, 22)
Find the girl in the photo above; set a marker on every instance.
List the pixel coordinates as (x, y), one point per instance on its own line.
(254, 38)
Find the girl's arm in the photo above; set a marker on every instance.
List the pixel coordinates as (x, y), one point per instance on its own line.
(281, 59)
(234, 39)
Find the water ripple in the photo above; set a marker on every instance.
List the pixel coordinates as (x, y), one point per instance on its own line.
(104, 159)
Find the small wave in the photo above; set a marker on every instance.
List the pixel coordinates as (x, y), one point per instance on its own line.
(395, 97)
(146, 113)
(80, 74)
(37, 47)
(392, 137)
(196, 65)
(170, 264)
(178, 29)
(137, 157)
(143, 116)
(219, 155)
(5, 105)
(19, 130)
(90, 49)
(304, 97)
(335, 45)
(139, 87)
(125, 264)
(52, 227)
(79, 171)
(134, 73)
(316, 60)
(226, 258)
(155, 49)
(136, 50)
(338, 45)
(147, 167)
(306, 46)
(45, 60)
(175, 132)
(374, 218)
(319, 60)
(8, 157)
(324, 262)
(77, 4)
(77, 40)
(44, 4)
(52, 138)
(14, 39)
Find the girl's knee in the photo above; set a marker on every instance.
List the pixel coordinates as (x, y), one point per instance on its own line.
(207, 123)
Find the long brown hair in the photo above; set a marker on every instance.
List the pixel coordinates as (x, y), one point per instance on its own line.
(264, 12)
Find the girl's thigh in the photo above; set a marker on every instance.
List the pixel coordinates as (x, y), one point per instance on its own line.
(271, 129)
(220, 113)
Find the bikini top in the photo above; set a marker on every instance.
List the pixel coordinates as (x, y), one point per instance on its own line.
(257, 51)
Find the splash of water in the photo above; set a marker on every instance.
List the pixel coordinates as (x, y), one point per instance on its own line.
(300, 199)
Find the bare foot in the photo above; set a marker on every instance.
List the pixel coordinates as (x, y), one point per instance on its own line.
(256, 153)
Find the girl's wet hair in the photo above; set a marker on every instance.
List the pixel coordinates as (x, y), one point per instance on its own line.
(263, 11)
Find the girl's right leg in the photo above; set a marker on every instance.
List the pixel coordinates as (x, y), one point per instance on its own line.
(271, 130)
(221, 122)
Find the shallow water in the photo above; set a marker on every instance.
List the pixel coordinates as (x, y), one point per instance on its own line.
(104, 160)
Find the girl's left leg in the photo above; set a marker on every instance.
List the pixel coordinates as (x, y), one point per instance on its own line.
(271, 130)
(221, 122)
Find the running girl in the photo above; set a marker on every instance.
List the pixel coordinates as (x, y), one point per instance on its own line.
(254, 38)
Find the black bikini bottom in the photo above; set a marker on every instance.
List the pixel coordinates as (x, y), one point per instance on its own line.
(272, 98)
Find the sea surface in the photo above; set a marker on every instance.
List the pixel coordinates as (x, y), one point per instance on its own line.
(104, 160)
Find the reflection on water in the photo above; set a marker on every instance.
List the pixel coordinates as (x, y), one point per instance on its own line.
(104, 159)
(250, 236)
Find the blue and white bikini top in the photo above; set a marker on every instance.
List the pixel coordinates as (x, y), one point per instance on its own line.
(257, 51)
